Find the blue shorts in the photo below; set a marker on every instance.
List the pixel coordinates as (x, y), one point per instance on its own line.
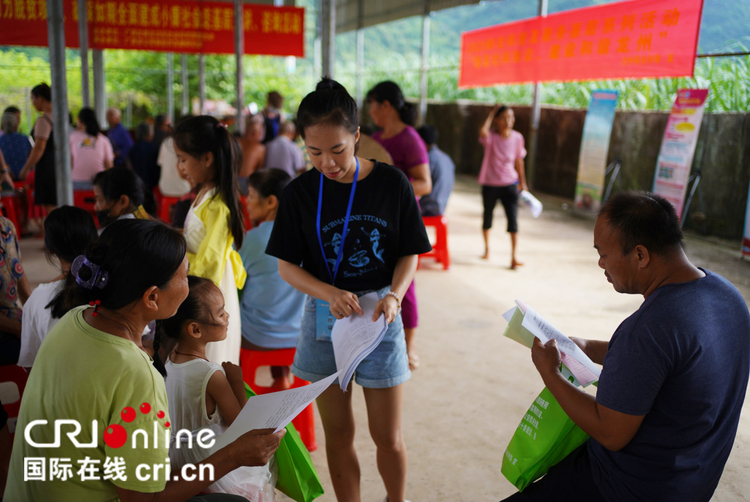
(387, 365)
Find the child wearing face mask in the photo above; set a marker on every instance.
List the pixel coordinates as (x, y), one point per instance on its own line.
(204, 395)
(210, 158)
(120, 194)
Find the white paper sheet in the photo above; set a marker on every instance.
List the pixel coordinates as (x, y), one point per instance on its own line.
(272, 411)
(585, 371)
(356, 336)
(532, 203)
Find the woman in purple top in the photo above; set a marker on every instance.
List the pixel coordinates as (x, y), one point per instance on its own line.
(396, 117)
(502, 175)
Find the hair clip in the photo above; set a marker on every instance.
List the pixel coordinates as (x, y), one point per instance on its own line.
(99, 277)
(97, 304)
(221, 124)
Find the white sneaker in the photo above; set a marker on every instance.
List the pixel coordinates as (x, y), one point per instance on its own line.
(386, 499)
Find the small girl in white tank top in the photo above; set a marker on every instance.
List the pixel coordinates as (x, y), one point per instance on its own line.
(205, 395)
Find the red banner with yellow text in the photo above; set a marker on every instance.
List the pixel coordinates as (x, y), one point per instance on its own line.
(165, 26)
(632, 39)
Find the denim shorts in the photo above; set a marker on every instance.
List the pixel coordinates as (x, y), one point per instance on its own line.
(387, 366)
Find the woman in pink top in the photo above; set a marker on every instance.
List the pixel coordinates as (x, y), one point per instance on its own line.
(90, 150)
(389, 110)
(502, 175)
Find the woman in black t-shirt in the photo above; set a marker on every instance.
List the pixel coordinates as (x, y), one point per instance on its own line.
(346, 228)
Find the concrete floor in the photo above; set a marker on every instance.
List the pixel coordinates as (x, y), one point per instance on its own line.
(464, 402)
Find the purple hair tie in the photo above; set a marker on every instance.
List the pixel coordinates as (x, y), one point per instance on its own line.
(99, 276)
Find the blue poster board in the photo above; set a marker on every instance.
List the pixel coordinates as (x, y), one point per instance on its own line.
(592, 161)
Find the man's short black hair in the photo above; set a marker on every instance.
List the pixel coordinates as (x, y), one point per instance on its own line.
(643, 218)
(428, 134)
(12, 109)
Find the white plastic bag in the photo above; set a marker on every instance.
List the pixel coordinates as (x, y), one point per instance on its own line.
(254, 483)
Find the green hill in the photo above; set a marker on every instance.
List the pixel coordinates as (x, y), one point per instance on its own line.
(724, 22)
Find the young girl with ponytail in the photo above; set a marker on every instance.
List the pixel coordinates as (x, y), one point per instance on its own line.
(210, 157)
(346, 228)
(204, 395)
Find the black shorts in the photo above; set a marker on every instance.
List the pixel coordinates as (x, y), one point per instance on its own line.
(569, 481)
(508, 196)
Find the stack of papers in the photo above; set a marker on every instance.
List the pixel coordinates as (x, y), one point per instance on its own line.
(355, 337)
(525, 324)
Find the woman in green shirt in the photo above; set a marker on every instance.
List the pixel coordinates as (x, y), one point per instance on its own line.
(92, 370)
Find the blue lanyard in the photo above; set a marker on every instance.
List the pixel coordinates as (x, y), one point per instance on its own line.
(346, 224)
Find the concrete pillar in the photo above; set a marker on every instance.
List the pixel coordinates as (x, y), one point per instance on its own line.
(239, 49)
(360, 68)
(56, 36)
(129, 113)
(83, 41)
(425, 62)
(202, 82)
(29, 121)
(170, 89)
(536, 109)
(185, 94)
(360, 53)
(328, 37)
(100, 91)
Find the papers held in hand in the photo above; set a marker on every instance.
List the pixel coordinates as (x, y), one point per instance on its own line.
(532, 203)
(272, 411)
(524, 324)
(355, 337)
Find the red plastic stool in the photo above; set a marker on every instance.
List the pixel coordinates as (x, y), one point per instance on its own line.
(165, 206)
(85, 199)
(12, 210)
(251, 360)
(12, 384)
(36, 211)
(440, 246)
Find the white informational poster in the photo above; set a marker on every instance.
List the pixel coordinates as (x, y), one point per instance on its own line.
(677, 148)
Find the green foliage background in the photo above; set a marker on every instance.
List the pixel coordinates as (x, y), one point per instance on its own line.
(392, 51)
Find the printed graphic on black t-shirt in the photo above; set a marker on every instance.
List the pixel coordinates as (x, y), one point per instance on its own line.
(365, 244)
(385, 224)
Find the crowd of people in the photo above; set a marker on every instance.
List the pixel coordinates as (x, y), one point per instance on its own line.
(277, 234)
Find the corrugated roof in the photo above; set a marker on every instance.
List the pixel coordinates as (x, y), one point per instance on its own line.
(382, 11)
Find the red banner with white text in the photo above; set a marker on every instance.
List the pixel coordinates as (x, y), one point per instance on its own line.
(632, 39)
(164, 26)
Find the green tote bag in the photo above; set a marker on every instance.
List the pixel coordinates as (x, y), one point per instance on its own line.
(298, 478)
(545, 436)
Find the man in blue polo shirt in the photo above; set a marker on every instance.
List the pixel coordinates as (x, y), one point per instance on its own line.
(674, 374)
